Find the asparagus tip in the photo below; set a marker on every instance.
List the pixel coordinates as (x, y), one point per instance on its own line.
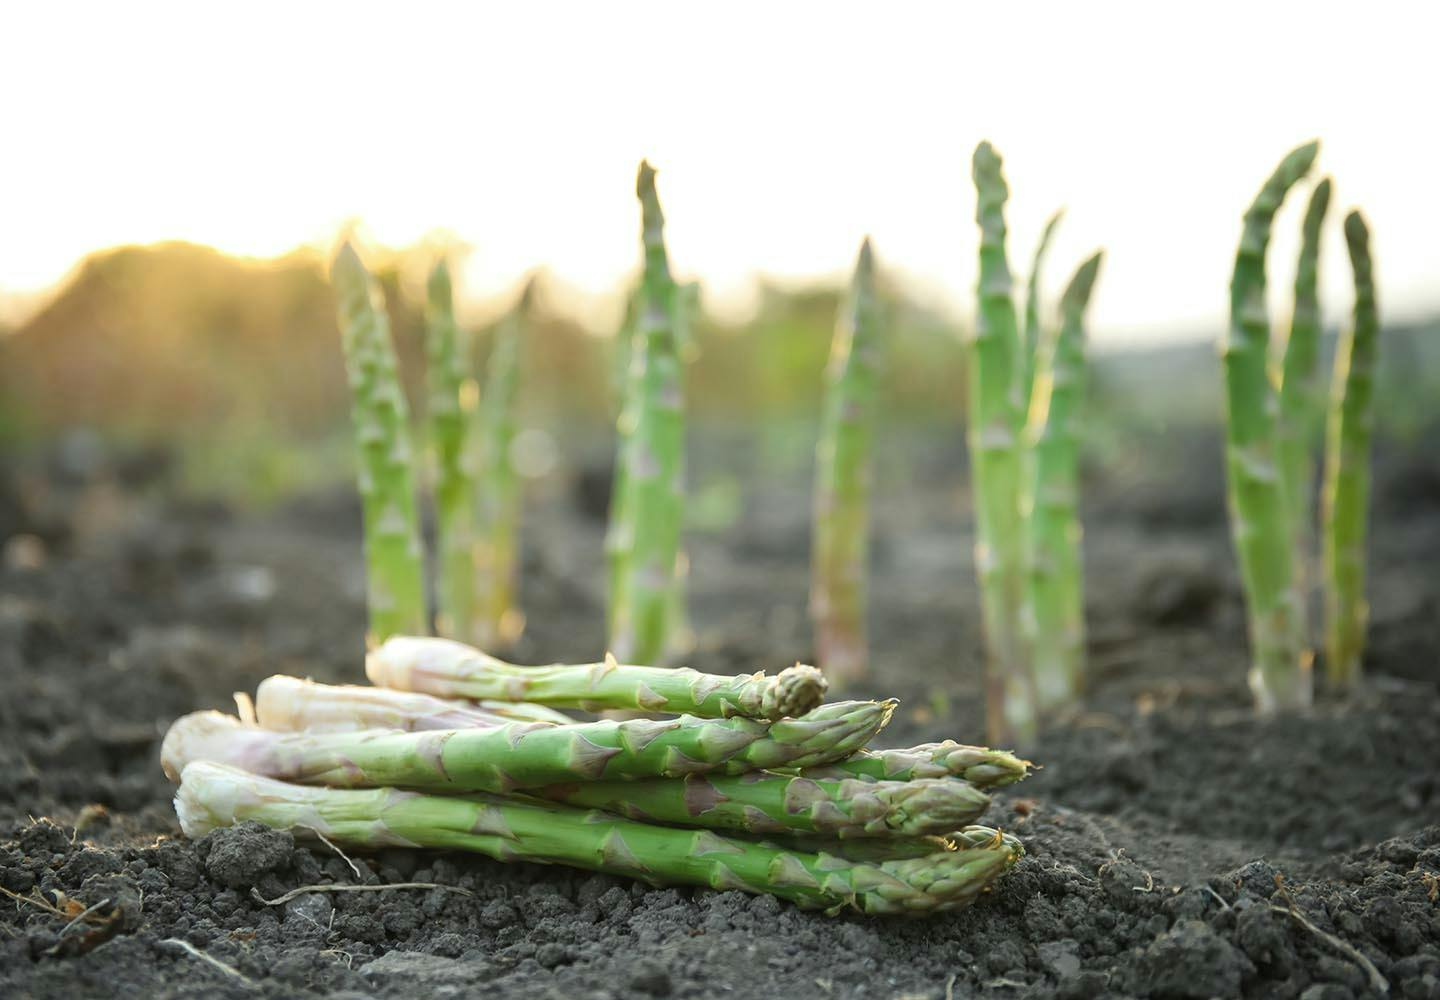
(795, 691)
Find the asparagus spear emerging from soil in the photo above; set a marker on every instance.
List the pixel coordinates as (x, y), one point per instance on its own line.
(993, 366)
(393, 558)
(1302, 396)
(1034, 335)
(526, 754)
(212, 796)
(498, 487)
(1259, 515)
(764, 802)
(980, 766)
(647, 509)
(452, 397)
(840, 546)
(289, 704)
(1347, 468)
(453, 670)
(1055, 618)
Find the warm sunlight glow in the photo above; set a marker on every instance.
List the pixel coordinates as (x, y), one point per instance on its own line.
(783, 133)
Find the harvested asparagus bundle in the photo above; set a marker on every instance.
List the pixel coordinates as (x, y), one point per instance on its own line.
(453, 670)
(840, 540)
(289, 704)
(394, 574)
(526, 754)
(1347, 468)
(212, 796)
(764, 802)
(980, 766)
(451, 399)
(1259, 515)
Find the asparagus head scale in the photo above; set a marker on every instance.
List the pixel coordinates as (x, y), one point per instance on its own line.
(1259, 514)
(289, 704)
(1056, 610)
(451, 396)
(393, 559)
(839, 549)
(1347, 468)
(521, 755)
(498, 496)
(766, 802)
(993, 431)
(212, 796)
(453, 670)
(647, 510)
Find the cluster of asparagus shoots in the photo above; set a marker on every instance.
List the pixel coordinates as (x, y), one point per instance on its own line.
(476, 490)
(1274, 406)
(750, 784)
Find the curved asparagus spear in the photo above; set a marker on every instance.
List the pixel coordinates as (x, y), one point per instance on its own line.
(526, 754)
(212, 796)
(841, 523)
(1055, 619)
(1302, 397)
(993, 432)
(1280, 671)
(453, 670)
(647, 509)
(763, 802)
(394, 574)
(451, 404)
(289, 704)
(498, 487)
(1034, 335)
(1347, 468)
(980, 766)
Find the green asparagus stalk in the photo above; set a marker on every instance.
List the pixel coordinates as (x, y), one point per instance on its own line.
(452, 398)
(643, 540)
(1034, 335)
(393, 556)
(1055, 619)
(1302, 396)
(840, 547)
(1280, 671)
(764, 802)
(501, 620)
(980, 766)
(293, 705)
(994, 427)
(1347, 468)
(892, 849)
(211, 796)
(526, 754)
(449, 669)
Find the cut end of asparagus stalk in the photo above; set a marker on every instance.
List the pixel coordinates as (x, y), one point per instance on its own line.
(201, 736)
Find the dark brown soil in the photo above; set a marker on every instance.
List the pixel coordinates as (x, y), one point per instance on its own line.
(1177, 846)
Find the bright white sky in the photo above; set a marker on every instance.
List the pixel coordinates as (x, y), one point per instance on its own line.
(783, 132)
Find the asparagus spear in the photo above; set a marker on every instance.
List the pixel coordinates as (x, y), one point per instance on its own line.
(840, 547)
(1280, 671)
(393, 558)
(993, 431)
(1302, 397)
(643, 539)
(871, 850)
(452, 397)
(763, 802)
(526, 754)
(980, 766)
(1347, 468)
(1055, 619)
(453, 670)
(293, 705)
(498, 507)
(1034, 335)
(212, 796)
